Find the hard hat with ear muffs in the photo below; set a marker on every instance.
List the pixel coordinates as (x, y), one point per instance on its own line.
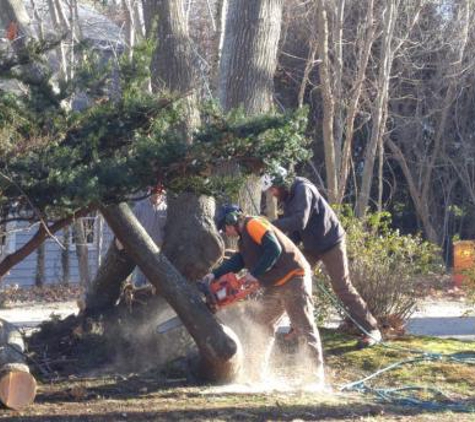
(228, 215)
(277, 177)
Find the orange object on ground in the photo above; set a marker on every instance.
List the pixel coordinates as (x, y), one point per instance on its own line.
(464, 259)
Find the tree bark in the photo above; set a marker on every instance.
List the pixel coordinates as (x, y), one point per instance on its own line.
(130, 29)
(379, 111)
(65, 262)
(40, 266)
(249, 56)
(105, 289)
(328, 103)
(247, 68)
(17, 385)
(191, 241)
(82, 252)
(14, 12)
(355, 95)
(220, 352)
(173, 69)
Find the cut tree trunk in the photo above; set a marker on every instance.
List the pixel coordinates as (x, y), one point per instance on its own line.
(17, 385)
(220, 351)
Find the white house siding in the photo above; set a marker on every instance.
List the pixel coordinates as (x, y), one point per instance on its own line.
(24, 272)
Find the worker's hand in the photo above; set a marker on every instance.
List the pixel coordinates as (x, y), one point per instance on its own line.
(249, 279)
(208, 279)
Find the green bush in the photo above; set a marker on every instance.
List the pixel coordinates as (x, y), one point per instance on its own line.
(385, 266)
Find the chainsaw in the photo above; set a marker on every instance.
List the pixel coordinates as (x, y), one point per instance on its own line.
(220, 293)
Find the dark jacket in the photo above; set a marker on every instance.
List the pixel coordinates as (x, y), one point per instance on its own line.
(308, 218)
(290, 263)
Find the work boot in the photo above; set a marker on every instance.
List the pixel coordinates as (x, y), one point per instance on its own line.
(371, 339)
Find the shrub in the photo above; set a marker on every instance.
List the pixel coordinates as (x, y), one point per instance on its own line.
(468, 285)
(385, 266)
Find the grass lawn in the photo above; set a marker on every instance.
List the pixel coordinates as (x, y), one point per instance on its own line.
(153, 396)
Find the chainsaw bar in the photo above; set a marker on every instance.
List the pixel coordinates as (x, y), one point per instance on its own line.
(169, 325)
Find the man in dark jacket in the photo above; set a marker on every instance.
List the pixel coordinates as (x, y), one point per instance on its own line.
(279, 266)
(308, 218)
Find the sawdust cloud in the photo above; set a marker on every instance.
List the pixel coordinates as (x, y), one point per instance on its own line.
(269, 365)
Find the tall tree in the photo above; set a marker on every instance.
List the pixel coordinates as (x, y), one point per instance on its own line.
(173, 69)
(247, 67)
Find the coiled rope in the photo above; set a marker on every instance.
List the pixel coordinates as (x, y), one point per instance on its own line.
(404, 395)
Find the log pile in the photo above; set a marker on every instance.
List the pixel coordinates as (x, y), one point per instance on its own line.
(17, 385)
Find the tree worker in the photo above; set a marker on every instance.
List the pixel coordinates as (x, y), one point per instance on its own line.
(281, 269)
(309, 219)
(151, 212)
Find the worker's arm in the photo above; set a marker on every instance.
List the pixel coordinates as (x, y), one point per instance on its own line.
(271, 251)
(300, 208)
(232, 265)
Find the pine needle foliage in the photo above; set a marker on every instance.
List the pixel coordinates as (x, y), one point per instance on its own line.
(57, 161)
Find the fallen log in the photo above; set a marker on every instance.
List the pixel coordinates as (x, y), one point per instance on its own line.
(17, 385)
(220, 351)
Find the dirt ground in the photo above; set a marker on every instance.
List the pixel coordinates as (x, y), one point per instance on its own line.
(155, 395)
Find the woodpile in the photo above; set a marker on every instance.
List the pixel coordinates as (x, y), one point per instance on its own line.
(17, 385)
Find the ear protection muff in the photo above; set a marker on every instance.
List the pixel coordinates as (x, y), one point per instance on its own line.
(232, 218)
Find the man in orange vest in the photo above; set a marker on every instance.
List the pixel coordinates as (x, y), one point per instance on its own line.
(273, 260)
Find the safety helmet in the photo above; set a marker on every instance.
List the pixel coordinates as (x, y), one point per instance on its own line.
(227, 215)
(274, 178)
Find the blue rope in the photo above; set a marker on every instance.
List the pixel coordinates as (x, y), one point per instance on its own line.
(398, 395)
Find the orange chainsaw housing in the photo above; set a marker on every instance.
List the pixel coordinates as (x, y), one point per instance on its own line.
(229, 289)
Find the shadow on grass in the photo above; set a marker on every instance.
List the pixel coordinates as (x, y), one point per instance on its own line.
(232, 413)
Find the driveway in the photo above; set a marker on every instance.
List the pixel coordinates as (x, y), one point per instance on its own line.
(438, 318)
(445, 319)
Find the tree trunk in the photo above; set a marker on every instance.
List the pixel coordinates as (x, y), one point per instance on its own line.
(354, 100)
(15, 24)
(105, 289)
(191, 241)
(172, 67)
(172, 70)
(55, 15)
(249, 56)
(130, 29)
(220, 351)
(328, 103)
(82, 252)
(40, 266)
(65, 262)
(379, 111)
(17, 385)
(247, 68)
(13, 14)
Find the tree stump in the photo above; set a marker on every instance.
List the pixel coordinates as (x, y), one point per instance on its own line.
(17, 385)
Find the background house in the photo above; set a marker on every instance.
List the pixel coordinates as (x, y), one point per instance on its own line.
(60, 253)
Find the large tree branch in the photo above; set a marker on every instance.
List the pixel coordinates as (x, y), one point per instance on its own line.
(40, 236)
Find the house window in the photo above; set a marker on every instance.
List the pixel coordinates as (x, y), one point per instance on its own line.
(89, 225)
